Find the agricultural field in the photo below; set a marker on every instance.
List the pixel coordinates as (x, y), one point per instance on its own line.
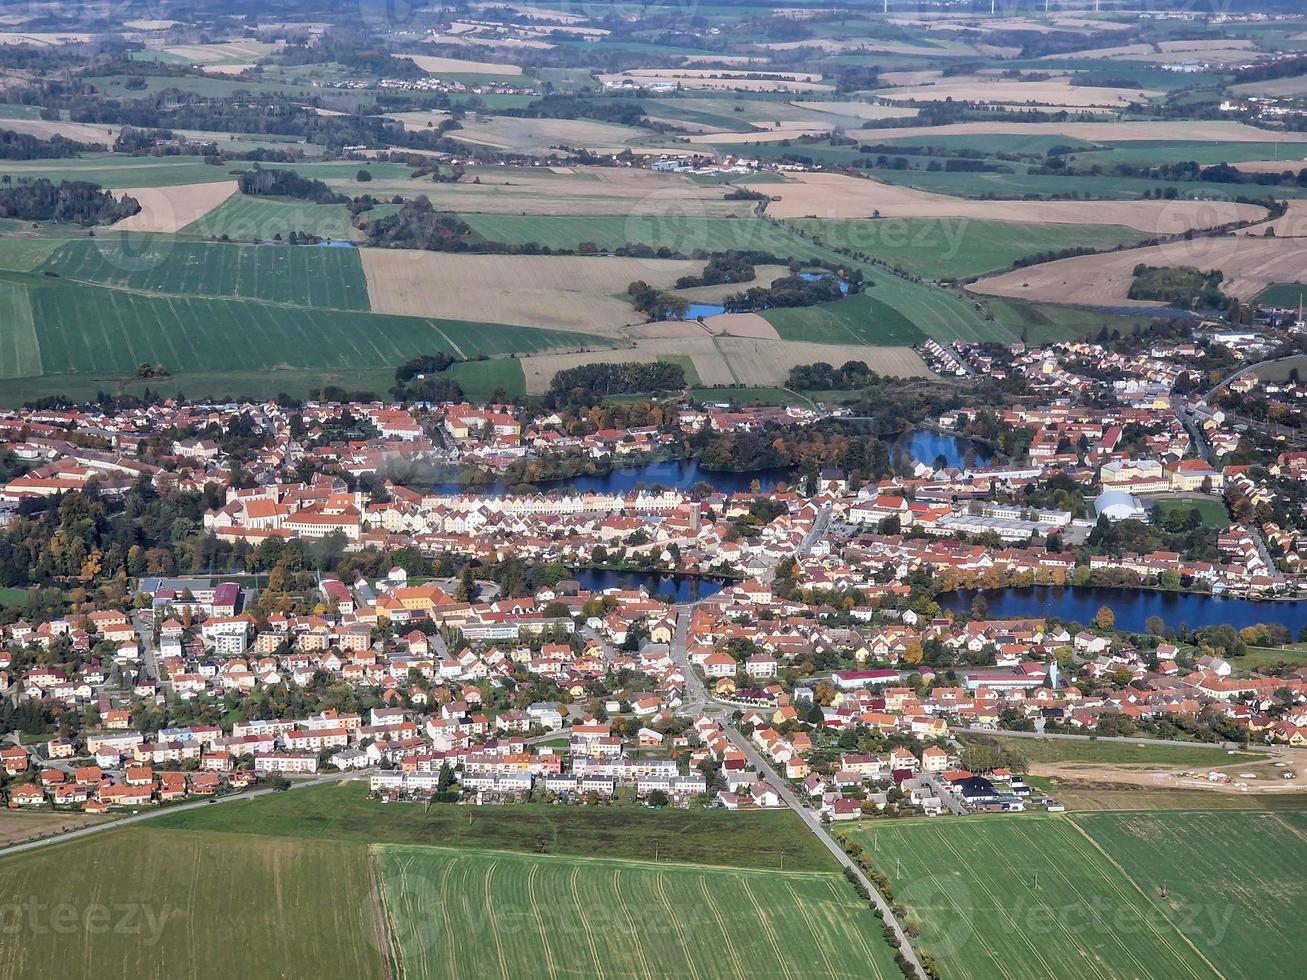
(1286, 295)
(1084, 750)
(330, 278)
(1249, 265)
(859, 319)
(1039, 323)
(832, 196)
(495, 914)
(956, 248)
(1217, 871)
(681, 232)
(106, 333)
(170, 209)
(343, 813)
(243, 218)
(159, 904)
(1027, 897)
(481, 379)
(562, 292)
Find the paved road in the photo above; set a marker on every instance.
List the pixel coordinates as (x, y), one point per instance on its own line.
(149, 655)
(154, 814)
(763, 767)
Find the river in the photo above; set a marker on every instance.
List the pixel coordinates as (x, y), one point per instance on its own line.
(1132, 607)
(679, 474)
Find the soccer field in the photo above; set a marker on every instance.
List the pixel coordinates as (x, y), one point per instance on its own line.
(1026, 897)
(478, 914)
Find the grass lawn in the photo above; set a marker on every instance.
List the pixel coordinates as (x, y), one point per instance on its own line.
(161, 904)
(460, 913)
(1119, 753)
(1025, 896)
(956, 248)
(1259, 658)
(343, 812)
(1210, 509)
(480, 379)
(750, 396)
(1217, 872)
(25, 254)
(245, 219)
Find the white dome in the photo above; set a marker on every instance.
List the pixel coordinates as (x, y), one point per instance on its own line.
(1117, 505)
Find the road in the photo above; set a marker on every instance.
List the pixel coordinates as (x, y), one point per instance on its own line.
(149, 655)
(696, 695)
(763, 767)
(155, 814)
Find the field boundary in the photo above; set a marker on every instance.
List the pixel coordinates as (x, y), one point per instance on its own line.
(1142, 894)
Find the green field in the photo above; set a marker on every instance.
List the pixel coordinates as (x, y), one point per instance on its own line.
(1087, 750)
(480, 379)
(244, 218)
(750, 396)
(26, 254)
(1210, 509)
(165, 904)
(1285, 295)
(858, 319)
(1043, 323)
(957, 248)
(112, 170)
(57, 331)
(1221, 873)
(680, 233)
(302, 275)
(761, 839)
(1259, 658)
(494, 914)
(1027, 896)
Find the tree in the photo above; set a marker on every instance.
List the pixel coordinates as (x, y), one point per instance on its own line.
(1105, 619)
(1155, 625)
(657, 798)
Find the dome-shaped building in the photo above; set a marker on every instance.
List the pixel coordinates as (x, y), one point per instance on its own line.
(1117, 505)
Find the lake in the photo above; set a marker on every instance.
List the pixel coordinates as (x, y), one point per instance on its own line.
(686, 588)
(679, 474)
(1132, 607)
(926, 445)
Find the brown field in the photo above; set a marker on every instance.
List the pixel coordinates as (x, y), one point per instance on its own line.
(1171, 52)
(540, 135)
(1293, 224)
(44, 40)
(82, 132)
(731, 360)
(751, 326)
(1052, 92)
(824, 195)
(567, 292)
(438, 66)
(1250, 263)
(639, 195)
(723, 79)
(419, 120)
(786, 131)
(911, 77)
(212, 54)
(1279, 87)
(170, 209)
(858, 110)
(19, 826)
(1094, 132)
(1271, 166)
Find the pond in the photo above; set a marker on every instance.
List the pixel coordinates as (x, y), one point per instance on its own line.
(1132, 607)
(926, 445)
(685, 588)
(679, 474)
